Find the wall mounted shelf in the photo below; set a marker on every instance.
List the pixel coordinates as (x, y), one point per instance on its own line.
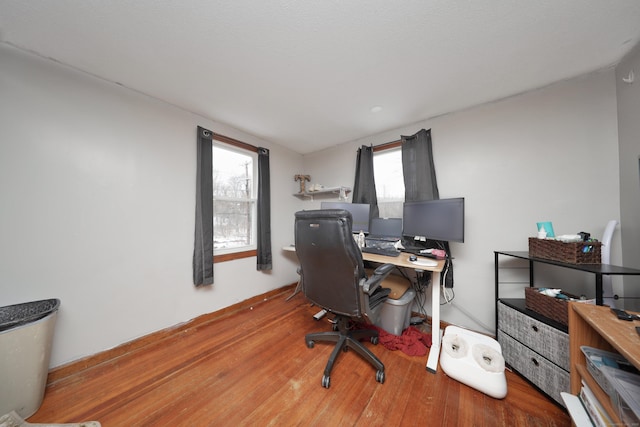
(340, 192)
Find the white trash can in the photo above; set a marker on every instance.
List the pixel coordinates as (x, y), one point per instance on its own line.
(26, 335)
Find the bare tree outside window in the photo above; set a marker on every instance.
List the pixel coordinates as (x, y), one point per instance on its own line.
(387, 171)
(234, 202)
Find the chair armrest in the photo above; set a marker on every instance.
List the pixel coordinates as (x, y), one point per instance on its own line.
(373, 282)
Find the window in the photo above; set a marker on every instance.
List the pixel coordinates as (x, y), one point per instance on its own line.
(387, 171)
(235, 172)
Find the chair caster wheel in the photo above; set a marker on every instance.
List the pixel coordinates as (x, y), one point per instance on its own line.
(380, 377)
(326, 382)
(310, 344)
(374, 340)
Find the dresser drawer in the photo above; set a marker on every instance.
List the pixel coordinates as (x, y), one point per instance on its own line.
(545, 340)
(547, 376)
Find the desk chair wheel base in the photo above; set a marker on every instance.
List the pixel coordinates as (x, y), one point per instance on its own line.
(345, 339)
(326, 380)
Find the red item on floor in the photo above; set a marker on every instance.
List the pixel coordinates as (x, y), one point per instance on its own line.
(412, 342)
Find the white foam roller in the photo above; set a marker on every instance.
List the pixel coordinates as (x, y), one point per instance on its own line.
(475, 360)
(487, 358)
(455, 346)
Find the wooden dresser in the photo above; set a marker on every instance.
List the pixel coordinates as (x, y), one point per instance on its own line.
(598, 327)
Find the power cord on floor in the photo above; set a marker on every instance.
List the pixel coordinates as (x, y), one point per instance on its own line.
(448, 295)
(472, 317)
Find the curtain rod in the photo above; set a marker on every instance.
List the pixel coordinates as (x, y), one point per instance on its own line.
(234, 142)
(246, 146)
(387, 145)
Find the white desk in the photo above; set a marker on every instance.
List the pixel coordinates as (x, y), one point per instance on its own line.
(402, 260)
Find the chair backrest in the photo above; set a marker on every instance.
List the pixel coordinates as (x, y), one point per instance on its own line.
(330, 261)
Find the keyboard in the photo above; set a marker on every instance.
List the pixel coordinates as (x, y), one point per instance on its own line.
(382, 239)
(381, 251)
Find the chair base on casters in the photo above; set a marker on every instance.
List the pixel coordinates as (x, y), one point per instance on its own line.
(347, 339)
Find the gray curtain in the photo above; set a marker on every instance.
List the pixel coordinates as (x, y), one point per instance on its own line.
(203, 245)
(364, 187)
(417, 164)
(264, 258)
(420, 184)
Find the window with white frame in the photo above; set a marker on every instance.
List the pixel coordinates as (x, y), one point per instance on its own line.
(235, 175)
(387, 171)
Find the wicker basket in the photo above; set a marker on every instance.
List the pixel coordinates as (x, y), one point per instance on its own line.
(571, 253)
(554, 308)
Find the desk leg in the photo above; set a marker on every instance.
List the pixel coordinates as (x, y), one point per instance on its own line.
(298, 286)
(434, 351)
(296, 290)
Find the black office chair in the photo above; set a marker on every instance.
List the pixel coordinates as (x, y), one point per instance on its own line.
(334, 278)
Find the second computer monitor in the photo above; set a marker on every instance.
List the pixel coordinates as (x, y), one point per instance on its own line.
(441, 219)
(359, 213)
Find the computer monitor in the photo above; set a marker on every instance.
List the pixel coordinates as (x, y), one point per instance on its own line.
(441, 219)
(386, 227)
(359, 213)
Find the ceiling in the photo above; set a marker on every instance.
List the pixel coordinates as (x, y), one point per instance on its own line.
(307, 74)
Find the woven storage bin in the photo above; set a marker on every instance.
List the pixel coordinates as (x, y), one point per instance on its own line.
(554, 308)
(571, 253)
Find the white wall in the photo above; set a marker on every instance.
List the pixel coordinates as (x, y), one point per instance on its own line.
(97, 187)
(550, 154)
(97, 184)
(629, 130)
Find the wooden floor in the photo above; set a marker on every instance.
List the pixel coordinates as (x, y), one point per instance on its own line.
(253, 368)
